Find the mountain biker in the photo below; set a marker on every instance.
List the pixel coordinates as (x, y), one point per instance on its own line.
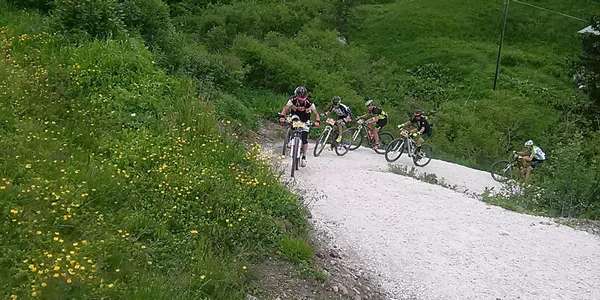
(376, 119)
(342, 113)
(301, 105)
(420, 126)
(531, 158)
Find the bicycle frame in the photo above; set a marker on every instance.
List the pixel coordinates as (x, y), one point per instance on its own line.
(298, 128)
(407, 143)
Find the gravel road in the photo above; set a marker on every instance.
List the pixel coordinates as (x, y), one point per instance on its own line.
(424, 241)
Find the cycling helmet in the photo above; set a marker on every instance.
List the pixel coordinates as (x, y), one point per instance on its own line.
(301, 92)
(369, 102)
(336, 100)
(529, 143)
(418, 113)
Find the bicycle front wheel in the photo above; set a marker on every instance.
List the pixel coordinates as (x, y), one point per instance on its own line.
(394, 150)
(295, 155)
(503, 171)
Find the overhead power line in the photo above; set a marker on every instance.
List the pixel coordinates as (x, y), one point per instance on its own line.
(549, 10)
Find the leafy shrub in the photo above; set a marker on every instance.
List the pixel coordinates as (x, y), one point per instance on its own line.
(231, 107)
(430, 84)
(149, 17)
(98, 18)
(42, 5)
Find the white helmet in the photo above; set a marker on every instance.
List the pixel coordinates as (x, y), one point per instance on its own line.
(529, 143)
(369, 102)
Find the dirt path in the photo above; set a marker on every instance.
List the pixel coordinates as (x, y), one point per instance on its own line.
(424, 241)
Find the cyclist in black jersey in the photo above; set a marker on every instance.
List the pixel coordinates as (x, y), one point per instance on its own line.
(343, 116)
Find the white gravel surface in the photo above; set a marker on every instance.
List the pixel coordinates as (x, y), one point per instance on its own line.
(424, 241)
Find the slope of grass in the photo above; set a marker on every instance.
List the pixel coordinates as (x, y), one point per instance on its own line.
(459, 39)
(115, 180)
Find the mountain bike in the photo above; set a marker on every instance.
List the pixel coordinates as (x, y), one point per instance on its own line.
(505, 170)
(324, 138)
(405, 143)
(297, 127)
(353, 138)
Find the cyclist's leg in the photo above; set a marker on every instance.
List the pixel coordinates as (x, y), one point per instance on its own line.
(378, 126)
(375, 136)
(340, 125)
(419, 142)
(304, 143)
(371, 128)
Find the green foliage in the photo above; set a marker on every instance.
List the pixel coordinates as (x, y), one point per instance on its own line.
(296, 250)
(590, 66)
(149, 17)
(42, 5)
(430, 84)
(230, 107)
(115, 181)
(98, 18)
(565, 185)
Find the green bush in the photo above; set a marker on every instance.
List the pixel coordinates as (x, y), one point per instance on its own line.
(98, 18)
(42, 5)
(148, 17)
(230, 107)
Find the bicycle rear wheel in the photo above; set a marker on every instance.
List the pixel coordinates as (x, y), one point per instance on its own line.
(503, 171)
(394, 150)
(385, 138)
(423, 157)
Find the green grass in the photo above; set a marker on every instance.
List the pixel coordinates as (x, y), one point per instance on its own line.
(114, 180)
(296, 250)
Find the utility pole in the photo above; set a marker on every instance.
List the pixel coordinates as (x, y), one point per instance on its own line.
(506, 2)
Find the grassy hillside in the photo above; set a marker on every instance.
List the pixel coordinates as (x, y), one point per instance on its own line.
(117, 180)
(460, 39)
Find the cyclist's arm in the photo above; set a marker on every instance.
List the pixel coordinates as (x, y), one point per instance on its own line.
(313, 109)
(286, 108)
(403, 125)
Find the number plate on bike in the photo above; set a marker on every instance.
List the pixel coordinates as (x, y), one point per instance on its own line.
(330, 122)
(298, 124)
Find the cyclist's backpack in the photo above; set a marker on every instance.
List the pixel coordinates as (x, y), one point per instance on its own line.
(346, 109)
(428, 128)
